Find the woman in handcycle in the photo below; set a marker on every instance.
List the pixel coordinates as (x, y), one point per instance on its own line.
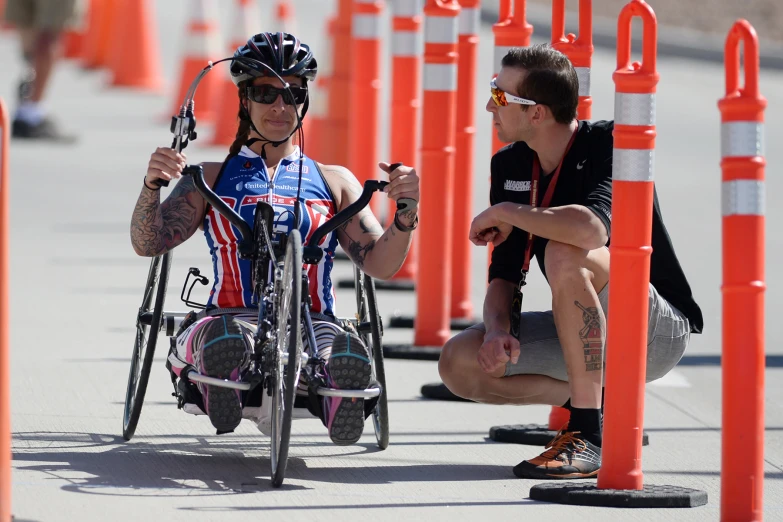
(263, 165)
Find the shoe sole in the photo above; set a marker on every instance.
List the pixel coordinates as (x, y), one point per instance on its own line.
(221, 357)
(352, 372)
(551, 476)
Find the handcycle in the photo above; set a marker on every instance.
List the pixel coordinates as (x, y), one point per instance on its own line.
(280, 286)
(281, 308)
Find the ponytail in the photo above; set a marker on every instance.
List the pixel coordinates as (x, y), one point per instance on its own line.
(243, 131)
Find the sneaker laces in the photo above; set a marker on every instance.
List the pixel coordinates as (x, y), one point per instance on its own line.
(564, 441)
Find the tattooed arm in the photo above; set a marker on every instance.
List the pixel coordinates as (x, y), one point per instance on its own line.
(377, 252)
(157, 228)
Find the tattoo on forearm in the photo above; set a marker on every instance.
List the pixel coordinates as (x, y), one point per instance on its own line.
(592, 336)
(156, 227)
(356, 250)
(370, 226)
(408, 215)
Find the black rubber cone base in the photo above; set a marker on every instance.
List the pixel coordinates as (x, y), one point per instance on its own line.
(651, 496)
(408, 351)
(439, 391)
(400, 285)
(531, 434)
(401, 321)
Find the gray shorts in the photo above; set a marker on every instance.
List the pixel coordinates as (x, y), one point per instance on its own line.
(51, 15)
(541, 354)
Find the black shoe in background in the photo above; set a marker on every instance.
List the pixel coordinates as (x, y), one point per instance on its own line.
(45, 130)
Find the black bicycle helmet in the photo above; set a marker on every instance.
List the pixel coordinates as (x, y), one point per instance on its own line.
(282, 52)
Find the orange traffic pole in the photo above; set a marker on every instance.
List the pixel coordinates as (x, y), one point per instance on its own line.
(620, 479)
(469, 21)
(406, 102)
(201, 44)
(743, 195)
(511, 30)
(135, 55)
(366, 90)
(98, 38)
(5, 323)
(340, 100)
(433, 278)
(316, 123)
(579, 50)
(72, 43)
(284, 17)
(225, 96)
(632, 200)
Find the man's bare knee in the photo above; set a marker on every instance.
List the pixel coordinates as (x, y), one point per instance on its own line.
(458, 362)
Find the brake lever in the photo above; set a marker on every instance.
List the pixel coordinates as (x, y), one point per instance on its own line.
(183, 127)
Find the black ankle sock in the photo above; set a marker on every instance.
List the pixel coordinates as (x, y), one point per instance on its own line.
(587, 421)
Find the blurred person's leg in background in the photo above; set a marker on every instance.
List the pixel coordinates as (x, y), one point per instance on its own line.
(41, 24)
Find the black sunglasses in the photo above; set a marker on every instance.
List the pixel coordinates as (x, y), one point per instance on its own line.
(267, 94)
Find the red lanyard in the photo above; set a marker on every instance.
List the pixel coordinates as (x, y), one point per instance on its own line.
(547, 197)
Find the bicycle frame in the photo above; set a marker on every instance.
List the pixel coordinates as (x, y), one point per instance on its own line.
(262, 254)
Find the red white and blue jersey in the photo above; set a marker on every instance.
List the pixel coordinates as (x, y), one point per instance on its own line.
(243, 181)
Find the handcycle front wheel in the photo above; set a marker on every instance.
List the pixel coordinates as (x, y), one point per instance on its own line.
(368, 313)
(147, 327)
(286, 353)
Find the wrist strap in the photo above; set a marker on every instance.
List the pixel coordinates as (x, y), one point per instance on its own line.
(403, 228)
(148, 187)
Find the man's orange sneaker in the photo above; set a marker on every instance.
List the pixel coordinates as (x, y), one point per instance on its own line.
(567, 457)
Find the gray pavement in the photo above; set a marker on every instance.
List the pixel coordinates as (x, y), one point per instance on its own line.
(76, 285)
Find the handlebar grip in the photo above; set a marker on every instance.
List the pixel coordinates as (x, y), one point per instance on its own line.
(161, 182)
(402, 203)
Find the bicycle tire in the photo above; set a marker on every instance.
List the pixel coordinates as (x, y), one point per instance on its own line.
(368, 312)
(146, 340)
(289, 288)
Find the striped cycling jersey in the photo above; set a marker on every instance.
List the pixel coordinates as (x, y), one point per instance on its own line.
(242, 182)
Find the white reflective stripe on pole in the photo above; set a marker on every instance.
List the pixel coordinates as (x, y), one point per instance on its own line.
(407, 8)
(583, 73)
(440, 77)
(407, 43)
(319, 104)
(500, 52)
(440, 30)
(469, 20)
(202, 43)
(743, 197)
(741, 139)
(634, 109)
(366, 26)
(633, 164)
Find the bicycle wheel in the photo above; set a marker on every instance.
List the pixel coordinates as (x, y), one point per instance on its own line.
(287, 353)
(147, 327)
(368, 313)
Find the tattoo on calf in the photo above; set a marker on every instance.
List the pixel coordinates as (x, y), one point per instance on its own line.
(592, 337)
